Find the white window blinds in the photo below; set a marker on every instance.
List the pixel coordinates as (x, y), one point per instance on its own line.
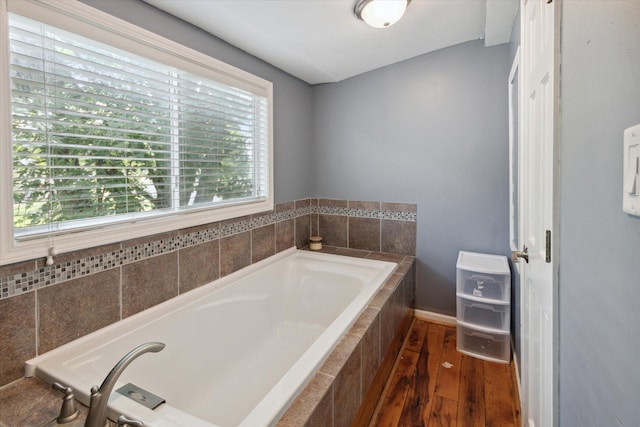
(102, 135)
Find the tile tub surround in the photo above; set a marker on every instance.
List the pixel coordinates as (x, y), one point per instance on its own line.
(124, 274)
(372, 226)
(343, 392)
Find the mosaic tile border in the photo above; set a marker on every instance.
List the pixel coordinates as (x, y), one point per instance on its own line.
(29, 281)
(367, 213)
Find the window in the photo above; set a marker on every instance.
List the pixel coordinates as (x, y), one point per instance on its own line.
(117, 133)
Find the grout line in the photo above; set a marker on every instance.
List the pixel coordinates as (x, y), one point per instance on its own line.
(120, 292)
(37, 321)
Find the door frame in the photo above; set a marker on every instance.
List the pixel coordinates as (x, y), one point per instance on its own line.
(514, 149)
(514, 189)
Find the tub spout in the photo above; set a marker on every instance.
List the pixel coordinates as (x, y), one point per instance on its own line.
(97, 416)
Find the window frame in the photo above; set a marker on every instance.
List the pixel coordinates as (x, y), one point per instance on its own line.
(87, 21)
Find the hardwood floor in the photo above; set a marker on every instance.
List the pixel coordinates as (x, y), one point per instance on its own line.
(432, 385)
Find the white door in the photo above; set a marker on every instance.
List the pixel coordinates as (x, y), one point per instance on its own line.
(537, 232)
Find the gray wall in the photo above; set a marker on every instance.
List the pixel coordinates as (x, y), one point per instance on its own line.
(599, 244)
(292, 97)
(432, 131)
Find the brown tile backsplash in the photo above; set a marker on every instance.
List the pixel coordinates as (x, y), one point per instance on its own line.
(333, 203)
(368, 225)
(315, 230)
(17, 335)
(136, 274)
(333, 229)
(70, 310)
(303, 203)
(198, 265)
(356, 204)
(285, 238)
(364, 233)
(398, 237)
(149, 282)
(302, 231)
(263, 242)
(285, 207)
(399, 207)
(235, 253)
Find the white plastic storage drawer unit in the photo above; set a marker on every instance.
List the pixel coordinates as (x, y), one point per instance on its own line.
(484, 306)
(484, 344)
(483, 276)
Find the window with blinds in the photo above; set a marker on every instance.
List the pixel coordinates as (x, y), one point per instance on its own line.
(103, 135)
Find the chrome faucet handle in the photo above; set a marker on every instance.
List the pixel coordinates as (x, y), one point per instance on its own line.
(69, 411)
(124, 421)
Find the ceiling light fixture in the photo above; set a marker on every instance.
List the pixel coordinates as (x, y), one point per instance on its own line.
(380, 13)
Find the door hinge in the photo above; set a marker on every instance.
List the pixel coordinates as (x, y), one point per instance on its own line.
(547, 245)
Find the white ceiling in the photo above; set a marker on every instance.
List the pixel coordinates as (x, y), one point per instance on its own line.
(321, 41)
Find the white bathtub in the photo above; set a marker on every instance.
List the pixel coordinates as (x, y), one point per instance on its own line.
(238, 350)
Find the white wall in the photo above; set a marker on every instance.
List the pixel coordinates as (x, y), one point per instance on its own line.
(599, 244)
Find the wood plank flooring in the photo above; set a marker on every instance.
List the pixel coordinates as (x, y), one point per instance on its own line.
(422, 392)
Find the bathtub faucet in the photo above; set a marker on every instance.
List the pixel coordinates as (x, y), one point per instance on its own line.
(97, 416)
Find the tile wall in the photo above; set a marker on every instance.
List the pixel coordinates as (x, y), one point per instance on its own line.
(43, 307)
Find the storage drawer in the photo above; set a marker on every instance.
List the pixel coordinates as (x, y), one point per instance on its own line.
(483, 276)
(485, 314)
(484, 285)
(492, 346)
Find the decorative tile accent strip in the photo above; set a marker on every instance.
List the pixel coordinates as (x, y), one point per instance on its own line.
(31, 280)
(364, 213)
(330, 210)
(198, 237)
(367, 213)
(399, 216)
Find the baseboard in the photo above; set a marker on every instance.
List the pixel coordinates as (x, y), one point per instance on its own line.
(435, 317)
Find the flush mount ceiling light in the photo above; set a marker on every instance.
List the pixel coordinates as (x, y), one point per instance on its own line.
(380, 13)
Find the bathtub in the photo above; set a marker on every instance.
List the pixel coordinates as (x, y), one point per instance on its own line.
(238, 350)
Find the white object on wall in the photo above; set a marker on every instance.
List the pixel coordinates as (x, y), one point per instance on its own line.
(631, 170)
